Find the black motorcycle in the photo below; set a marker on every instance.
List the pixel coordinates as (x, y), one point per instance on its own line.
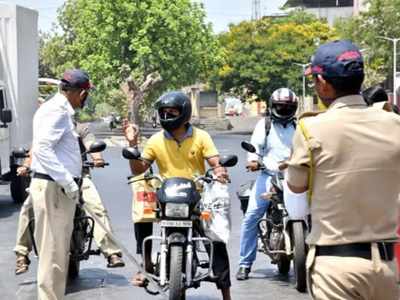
(283, 239)
(179, 266)
(82, 234)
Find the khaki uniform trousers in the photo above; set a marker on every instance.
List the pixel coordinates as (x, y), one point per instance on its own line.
(54, 220)
(92, 199)
(351, 278)
(24, 243)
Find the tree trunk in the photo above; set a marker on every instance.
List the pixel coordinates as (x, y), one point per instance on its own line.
(135, 95)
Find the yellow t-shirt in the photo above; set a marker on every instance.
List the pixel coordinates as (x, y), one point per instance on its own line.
(185, 159)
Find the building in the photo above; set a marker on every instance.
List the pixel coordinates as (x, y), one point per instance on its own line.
(331, 10)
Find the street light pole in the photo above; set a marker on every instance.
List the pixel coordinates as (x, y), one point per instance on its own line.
(394, 41)
(304, 67)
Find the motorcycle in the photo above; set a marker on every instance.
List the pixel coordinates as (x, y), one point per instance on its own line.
(282, 238)
(178, 265)
(82, 234)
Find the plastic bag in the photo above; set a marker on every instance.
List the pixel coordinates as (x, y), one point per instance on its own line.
(216, 200)
(144, 201)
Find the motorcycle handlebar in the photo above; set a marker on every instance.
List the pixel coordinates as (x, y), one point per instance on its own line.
(89, 164)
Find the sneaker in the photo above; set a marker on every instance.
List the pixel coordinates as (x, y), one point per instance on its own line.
(243, 273)
(115, 261)
(22, 264)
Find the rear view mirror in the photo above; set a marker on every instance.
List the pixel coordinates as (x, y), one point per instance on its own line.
(97, 147)
(6, 116)
(131, 153)
(248, 147)
(228, 160)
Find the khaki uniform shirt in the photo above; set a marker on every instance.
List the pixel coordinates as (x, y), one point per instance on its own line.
(356, 158)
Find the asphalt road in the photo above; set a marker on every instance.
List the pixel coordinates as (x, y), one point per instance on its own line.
(98, 282)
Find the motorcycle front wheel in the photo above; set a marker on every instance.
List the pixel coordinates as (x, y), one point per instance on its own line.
(299, 256)
(176, 289)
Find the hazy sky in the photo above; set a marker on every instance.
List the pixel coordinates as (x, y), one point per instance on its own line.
(220, 12)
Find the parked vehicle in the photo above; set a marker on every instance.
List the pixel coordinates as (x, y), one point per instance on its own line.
(282, 238)
(18, 91)
(179, 266)
(82, 234)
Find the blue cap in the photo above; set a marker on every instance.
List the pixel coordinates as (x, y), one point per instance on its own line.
(337, 59)
(77, 78)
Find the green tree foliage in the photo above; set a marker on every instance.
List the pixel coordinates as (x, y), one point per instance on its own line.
(381, 19)
(259, 55)
(116, 39)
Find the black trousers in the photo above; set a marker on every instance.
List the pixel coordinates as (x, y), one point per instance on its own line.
(220, 265)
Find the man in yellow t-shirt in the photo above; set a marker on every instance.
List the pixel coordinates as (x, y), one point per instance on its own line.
(180, 150)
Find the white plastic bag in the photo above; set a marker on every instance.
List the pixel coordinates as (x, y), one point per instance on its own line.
(216, 200)
(296, 204)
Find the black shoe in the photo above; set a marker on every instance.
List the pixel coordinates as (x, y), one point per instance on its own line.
(243, 273)
(115, 261)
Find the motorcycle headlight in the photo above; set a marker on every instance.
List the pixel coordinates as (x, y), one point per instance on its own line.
(177, 210)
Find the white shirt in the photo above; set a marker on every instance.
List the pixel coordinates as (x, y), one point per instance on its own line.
(55, 146)
(274, 148)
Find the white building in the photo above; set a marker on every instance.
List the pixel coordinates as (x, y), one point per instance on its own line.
(330, 10)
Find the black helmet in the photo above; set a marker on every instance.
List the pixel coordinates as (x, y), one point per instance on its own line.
(375, 94)
(179, 101)
(283, 105)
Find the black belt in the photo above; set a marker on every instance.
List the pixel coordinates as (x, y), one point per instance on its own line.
(362, 250)
(47, 177)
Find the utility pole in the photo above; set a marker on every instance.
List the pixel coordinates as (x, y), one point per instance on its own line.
(394, 41)
(256, 10)
(303, 67)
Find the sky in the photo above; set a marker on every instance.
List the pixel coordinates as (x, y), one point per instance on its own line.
(219, 12)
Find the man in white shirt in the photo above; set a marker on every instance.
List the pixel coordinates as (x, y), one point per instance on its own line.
(56, 163)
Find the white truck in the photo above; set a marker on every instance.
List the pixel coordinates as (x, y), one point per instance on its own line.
(18, 91)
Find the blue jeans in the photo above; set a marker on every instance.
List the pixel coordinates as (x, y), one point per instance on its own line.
(255, 211)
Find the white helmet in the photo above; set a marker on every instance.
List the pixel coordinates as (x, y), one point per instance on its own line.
(283, 105)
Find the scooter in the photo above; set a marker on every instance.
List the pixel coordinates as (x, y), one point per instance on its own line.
(179, 266)
(283, 239)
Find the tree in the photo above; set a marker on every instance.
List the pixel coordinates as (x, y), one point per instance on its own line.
(125, 42)
(381, 19)
(259, 55)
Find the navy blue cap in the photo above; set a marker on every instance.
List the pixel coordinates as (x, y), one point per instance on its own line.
(337, 59)
(77, 78)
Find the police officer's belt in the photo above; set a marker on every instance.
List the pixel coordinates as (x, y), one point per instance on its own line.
(47, 177)
(362, 250)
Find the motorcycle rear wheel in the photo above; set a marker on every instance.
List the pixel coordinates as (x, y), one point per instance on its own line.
(299, 257)
(73, 268)
(283, 264)
(176, 288)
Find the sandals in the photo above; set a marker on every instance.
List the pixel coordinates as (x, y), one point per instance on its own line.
(22, 264)
(139, 280)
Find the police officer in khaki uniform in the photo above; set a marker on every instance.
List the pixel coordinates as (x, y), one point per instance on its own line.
(92, 199)
(348, 158)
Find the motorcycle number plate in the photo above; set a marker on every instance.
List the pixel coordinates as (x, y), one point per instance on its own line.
(176, 223)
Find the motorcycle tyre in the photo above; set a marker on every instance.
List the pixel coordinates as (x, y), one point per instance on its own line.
(18, 186)
(73, 268)
(283, 264)
(176, 288)
(299, 257)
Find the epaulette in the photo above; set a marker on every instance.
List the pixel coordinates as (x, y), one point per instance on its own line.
(309, 114)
